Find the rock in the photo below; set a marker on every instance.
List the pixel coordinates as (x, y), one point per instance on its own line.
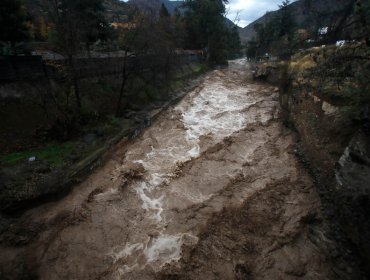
(100, 132)
(157, 105)
(129, 114)
(73, 158)
(261, 73)
(4, 222)
(353, 168)
(135, 107)
(89, 138)
(42, 167)
(32, 159)
(266, 72)
(139, 119)
(133, 171)
(329, 109)
(353, 190)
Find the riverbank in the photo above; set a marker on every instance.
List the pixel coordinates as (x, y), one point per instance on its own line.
(48, 169)
(324, 93)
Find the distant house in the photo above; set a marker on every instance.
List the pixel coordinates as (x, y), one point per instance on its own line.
(323, 30)
(193, 55)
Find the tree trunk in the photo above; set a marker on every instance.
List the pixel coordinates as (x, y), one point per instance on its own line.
(123, 85)
(76, 85)
(75, 81)
(88, 50)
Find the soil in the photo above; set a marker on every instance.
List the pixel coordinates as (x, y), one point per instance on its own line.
(212, 190)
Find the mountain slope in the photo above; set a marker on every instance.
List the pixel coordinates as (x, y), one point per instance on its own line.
(301, 11)
(172, 5)
(115, 9)
(156, 4)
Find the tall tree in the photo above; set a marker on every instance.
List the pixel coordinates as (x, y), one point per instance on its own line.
(13, 26)
(164, 12)
(78, 23)
(206, 28)
(362, 10)
(286, 21)
(149, 43)
(234, 43)
(276, 34)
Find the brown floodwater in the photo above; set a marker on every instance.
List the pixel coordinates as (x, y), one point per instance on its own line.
(213, 170)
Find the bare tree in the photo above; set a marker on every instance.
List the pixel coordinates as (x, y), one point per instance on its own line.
(77, 23)
(149, 41)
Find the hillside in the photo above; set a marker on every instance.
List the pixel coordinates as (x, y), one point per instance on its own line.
(171, 7)
(156, 4)
(115, 9)
(301, 10)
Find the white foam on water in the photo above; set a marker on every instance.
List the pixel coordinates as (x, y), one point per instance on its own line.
(127, 251)
(215, 111)
(195, 197)
(194, 152)
(157, 179)
(125, 269)
(149, 203)
(241, 61)
(106, 195)
(158, 250)
(166, 248)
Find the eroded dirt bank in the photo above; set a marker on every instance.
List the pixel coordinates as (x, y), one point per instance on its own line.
(212, 190)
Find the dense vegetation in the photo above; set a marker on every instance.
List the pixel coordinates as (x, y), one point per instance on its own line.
(13, 24)
(282, 34)
(75, 28)
(147, 42)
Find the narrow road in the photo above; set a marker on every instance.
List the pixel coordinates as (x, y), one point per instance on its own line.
(212, 190)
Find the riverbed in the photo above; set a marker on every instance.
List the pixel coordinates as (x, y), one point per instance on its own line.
(211, 190)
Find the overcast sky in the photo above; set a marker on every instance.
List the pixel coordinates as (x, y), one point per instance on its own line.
(250, 10)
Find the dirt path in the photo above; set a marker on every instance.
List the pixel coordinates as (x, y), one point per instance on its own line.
(212, 190)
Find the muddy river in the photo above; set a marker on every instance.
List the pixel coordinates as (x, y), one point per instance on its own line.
(211, 190)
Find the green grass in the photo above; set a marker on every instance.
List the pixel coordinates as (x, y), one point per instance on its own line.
(178, 84)
(114, 121)
(54, 154)
(200, 68)
(106, 86)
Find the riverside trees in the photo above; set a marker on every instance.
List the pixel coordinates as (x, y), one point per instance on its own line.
(275, 35)
(362, 10)
(147, 41)
(150, 39)
(78, 23)
(206, 28)
(13, 24)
